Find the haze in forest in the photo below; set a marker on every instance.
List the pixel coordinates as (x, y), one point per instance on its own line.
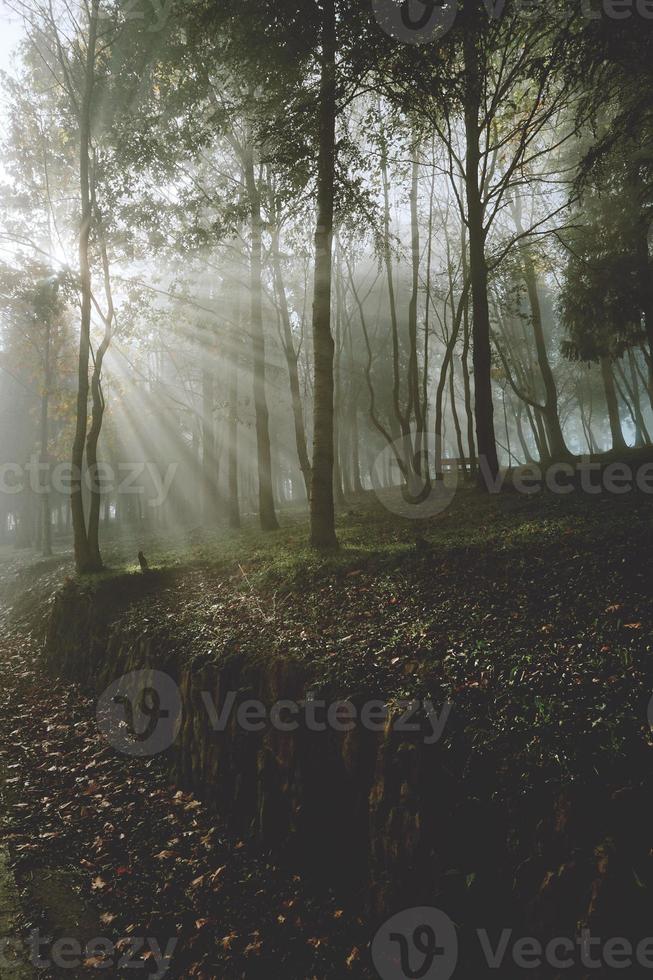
(258, 258)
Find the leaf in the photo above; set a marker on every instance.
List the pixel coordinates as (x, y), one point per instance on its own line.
(96, 962)
(353, 957)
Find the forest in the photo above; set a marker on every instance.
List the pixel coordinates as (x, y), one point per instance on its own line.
(326, 417)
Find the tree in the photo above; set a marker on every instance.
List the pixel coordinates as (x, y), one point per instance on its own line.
(501, 75)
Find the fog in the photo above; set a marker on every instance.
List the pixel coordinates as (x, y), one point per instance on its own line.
(165, 187)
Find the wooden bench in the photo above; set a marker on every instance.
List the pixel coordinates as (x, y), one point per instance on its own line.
(451, 465)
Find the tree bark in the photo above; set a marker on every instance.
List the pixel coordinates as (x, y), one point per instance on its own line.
(469, 411)
(267, 515)
(322, 511)
(482, 358)
(557, 445)
(618, 441)
(97, 416)
(414, 400)
(46, 517)
(291, 356)
(232, 435)
(209, 462)
(83, 561)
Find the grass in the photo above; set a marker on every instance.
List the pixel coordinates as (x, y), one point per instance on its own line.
(533, 614)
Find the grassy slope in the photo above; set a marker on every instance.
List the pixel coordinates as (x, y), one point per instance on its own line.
(532, 614)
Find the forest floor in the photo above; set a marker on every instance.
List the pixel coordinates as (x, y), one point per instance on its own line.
(532, 614)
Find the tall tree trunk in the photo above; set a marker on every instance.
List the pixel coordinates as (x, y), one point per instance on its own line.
(454, 410)
(232, 433)
(469, 411)
(291, 362)
(557, 445)
(83, 561)
(439, 394)
(542, 438)
(398, 423)
(618, 441)
(482, 358)
(537, 432)
(426, 465)
(528, 458)
(46, 516)
(645, 267)
(338, 477)
(97, 416)
(323, 528)
(354, 388)
(267, 515)
(355, 449)
(414, 400)
(632, 387)
(209, 462)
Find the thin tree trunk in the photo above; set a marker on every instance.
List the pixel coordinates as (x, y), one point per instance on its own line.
(97, 416)
(645, 271)
(46, 518)
(469, 411)
(291, 362)
(232, 429)
(632, 387)
(209, 463)
(357, 484)
(545, 450)
(618, 441)
(528, 458)
(557, 445)
(427, 309)
(83, 560)
(439, 395)
(267, 515)
(414, 400)
(322, 512)
(454, 410)
(482, 359)
(400, 424)
(338, 488)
